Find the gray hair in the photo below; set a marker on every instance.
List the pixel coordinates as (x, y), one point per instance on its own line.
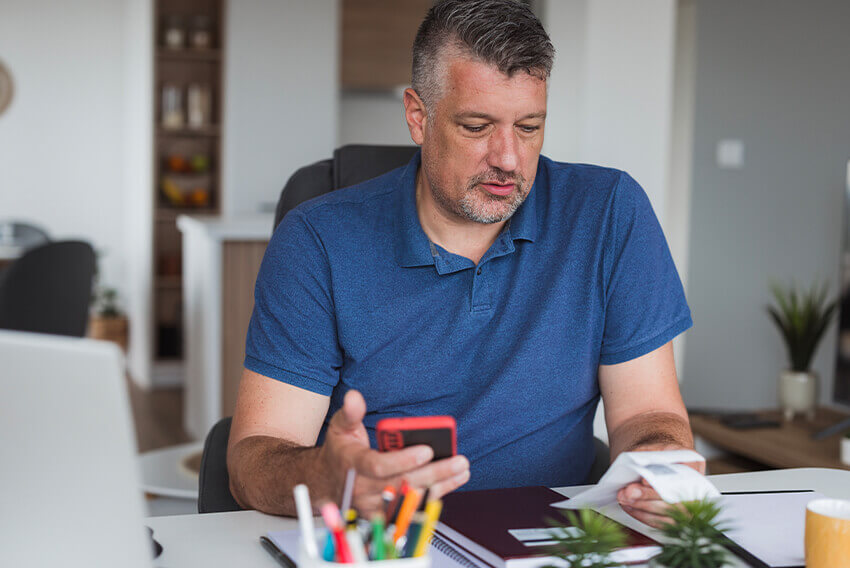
(503, 33)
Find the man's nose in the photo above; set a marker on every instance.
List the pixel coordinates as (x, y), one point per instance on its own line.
(503, 150)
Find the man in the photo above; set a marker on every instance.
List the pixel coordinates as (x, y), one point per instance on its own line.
(481, 281)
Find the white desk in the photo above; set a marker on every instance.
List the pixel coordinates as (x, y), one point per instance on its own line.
(230, 539)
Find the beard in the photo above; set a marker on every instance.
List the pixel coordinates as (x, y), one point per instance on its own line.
(480, 206)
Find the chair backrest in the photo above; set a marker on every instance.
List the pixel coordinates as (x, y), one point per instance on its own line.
(350, 165)
(213, 480)
(48, 289)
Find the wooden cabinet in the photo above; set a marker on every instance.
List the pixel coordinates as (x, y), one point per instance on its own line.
(187, 83)
(223, 256)
(377, 39)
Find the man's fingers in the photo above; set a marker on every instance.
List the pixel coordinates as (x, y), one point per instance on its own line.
(439, 477)
(350, 416)
(383, 465)
(634, 492)
(651, 519)
(437, 490)
(439, 472)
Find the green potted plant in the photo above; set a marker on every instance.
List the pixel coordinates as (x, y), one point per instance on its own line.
(802, 318)
(107, 321)
(586, 539)
(693, 537)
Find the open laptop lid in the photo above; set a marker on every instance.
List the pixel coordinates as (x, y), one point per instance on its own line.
(69, 487)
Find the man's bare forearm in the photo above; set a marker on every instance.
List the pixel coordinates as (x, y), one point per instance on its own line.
(652, 431)
(264, 470)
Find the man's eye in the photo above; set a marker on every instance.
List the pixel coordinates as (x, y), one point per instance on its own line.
(474, 127)
(529, 129)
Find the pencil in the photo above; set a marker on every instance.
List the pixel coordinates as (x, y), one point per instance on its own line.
(432, 515)
(405, 513)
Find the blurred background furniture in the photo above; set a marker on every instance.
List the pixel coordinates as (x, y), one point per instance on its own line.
(48, 289)
(221, 258)
(788, 445)
(169, 478)
(16, 237)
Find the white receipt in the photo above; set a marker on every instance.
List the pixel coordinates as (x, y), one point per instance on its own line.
(664, 471)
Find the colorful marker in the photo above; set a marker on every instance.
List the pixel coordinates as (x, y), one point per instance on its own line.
(378, 552)
(333, 520)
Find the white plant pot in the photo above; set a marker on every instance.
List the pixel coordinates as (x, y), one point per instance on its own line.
(798, 393)
(845, 450)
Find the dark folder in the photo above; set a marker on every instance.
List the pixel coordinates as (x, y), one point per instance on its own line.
(482, 527)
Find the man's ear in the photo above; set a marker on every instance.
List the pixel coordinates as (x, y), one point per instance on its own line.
(415, 115)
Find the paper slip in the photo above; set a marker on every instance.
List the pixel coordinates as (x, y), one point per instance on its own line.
(663, 470)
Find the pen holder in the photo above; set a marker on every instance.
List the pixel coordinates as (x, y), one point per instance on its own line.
(305, 561)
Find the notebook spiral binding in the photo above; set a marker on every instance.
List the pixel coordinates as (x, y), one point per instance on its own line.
(447, 549)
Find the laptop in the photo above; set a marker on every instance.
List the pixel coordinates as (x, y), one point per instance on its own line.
(69, 485)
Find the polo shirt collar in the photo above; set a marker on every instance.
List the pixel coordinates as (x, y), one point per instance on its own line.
(413, 248)
(523, 223)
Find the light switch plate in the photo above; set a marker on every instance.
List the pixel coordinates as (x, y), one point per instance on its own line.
(730, 154)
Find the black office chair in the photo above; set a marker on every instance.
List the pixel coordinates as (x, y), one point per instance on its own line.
(48, 289)
(350, 165)
(213, 480)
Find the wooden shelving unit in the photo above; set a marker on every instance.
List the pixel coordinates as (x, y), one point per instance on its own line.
(187, 156)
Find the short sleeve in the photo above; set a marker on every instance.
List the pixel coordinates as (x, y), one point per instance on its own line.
(292, 335)
(645, 303)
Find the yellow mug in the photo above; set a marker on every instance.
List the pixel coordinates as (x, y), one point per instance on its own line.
(828, 534)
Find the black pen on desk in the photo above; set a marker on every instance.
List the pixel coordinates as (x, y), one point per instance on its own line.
(282, 558)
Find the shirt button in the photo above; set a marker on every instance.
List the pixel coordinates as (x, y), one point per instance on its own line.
(479, 271)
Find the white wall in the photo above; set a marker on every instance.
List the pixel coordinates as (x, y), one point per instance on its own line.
(372, 118)
(774, 74)
(281, 100)
(138, 183)
(611, 93)
(61, 144)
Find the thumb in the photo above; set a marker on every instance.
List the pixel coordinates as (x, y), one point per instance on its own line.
(350, 416)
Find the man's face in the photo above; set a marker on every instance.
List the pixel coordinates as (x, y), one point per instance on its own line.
(482, 141)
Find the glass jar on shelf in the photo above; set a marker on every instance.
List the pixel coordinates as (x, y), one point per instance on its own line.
(201, 35)
(172, 106)
(199, 104)
(173, 33)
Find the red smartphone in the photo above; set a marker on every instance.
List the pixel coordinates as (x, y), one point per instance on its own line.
(439, 432)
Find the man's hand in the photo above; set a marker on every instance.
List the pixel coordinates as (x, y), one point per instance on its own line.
(347, 446)
(642, 502)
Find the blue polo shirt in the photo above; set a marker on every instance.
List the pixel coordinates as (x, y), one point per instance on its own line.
(353, 295)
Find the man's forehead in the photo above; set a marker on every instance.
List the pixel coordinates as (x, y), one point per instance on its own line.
(475, 89)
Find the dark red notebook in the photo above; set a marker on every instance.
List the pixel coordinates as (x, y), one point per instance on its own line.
(496, 528)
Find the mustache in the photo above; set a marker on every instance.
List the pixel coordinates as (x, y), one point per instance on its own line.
(498, 176)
